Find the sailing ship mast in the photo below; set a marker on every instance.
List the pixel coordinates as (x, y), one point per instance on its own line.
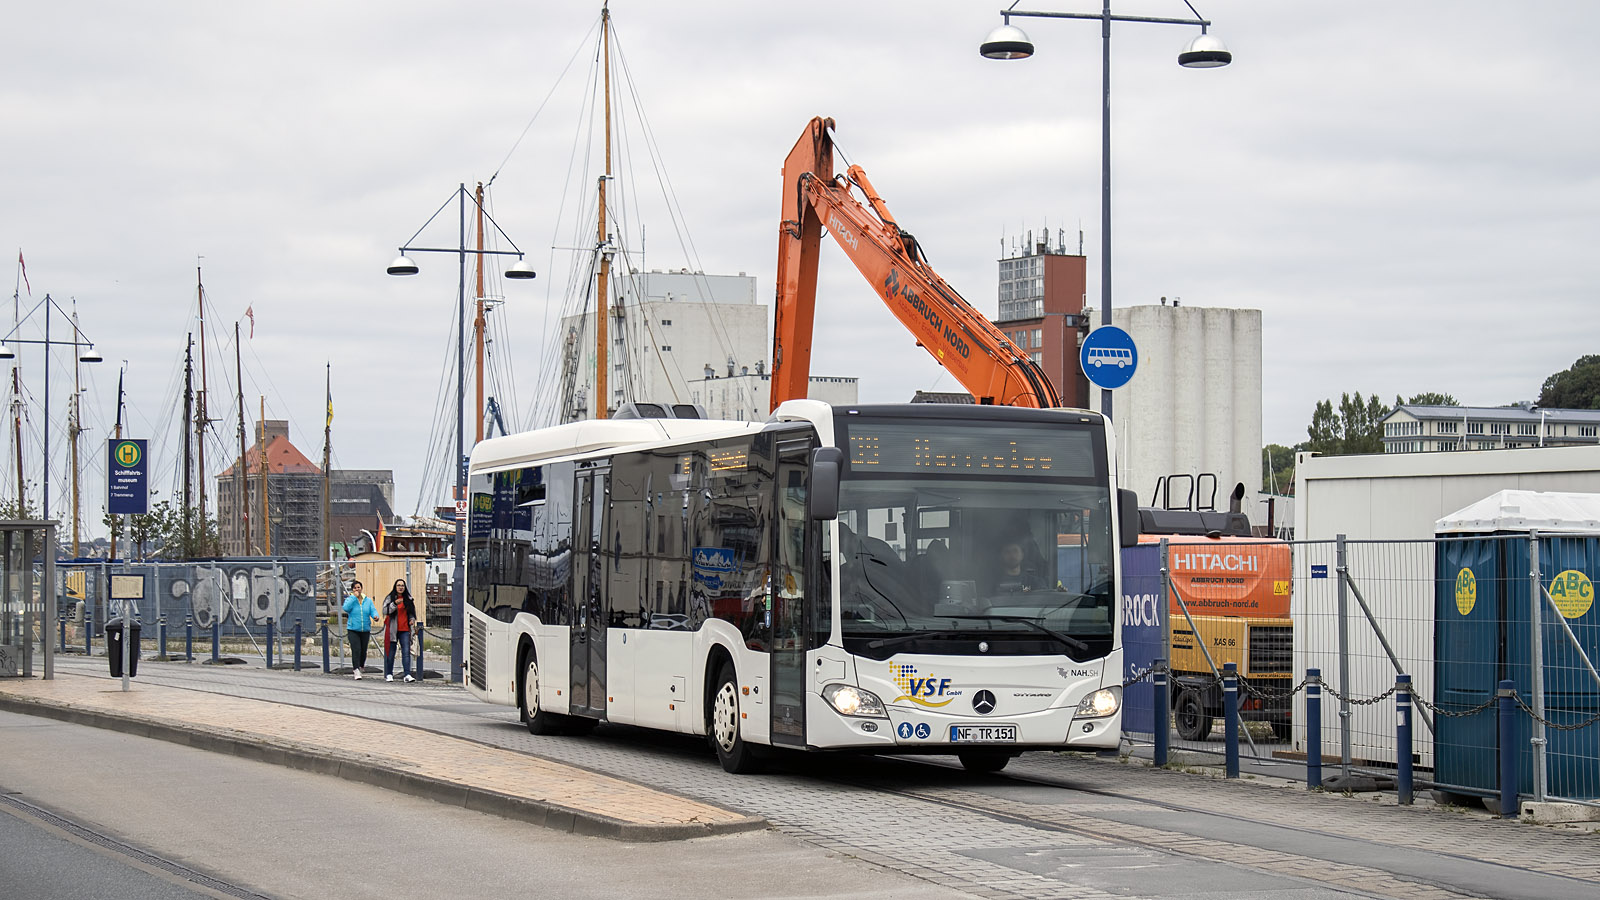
(118, 435)
(602, 363)
(200, 420)
(327, 453)
(266, 511)
(478, 323)
(75, 428)
(188, 456)
(243, 484)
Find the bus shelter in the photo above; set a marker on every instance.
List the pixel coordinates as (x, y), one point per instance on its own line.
(28, 604)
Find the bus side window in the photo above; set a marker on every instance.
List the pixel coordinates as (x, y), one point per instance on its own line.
(821, 594)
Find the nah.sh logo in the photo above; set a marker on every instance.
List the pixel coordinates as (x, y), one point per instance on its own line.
(921, 689)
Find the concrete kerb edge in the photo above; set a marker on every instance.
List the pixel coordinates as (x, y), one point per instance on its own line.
(536, 812)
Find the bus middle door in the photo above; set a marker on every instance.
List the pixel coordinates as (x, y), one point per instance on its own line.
(588, 630)
(788, 585)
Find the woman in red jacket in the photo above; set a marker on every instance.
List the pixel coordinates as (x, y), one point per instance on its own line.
(399, 617)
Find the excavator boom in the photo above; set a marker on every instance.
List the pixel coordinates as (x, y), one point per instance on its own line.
(963, 340)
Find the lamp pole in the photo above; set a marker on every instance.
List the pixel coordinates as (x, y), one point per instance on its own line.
(88, 355)
(1204, 52)
(518, 270)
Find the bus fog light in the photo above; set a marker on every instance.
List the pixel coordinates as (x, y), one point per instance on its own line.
(1103, 702)
(850, 700)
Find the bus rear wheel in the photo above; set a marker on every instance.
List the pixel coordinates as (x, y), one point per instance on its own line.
(723, 726)
(984, 761)
(538, 720)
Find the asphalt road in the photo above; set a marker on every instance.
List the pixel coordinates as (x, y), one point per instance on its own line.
(151, 819)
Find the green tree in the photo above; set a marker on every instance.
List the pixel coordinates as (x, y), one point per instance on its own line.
(145, 528)
(1354, 427)
(1277, 468)
(1576, 388)
(11, 509)
(1429, 398)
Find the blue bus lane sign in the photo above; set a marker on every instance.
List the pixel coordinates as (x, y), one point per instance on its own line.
(1108, 357)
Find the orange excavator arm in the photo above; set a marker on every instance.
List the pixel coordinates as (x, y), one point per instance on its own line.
(963, 340)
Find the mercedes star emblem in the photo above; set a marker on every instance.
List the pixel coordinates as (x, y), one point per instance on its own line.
(983, 702)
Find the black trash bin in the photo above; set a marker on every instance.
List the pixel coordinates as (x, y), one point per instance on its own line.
(114, 647)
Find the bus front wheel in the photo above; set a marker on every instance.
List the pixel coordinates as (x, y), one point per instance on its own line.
(538, 720)
(736, 756)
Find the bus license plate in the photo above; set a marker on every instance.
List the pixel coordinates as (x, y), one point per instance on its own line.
(983, 734)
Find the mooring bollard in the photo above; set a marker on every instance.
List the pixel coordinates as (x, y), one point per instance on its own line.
(297, 645)
(1163, 710)
(1230, 716)
(188, 638)
(1402, 708)
(1313, 728)
(1508, 749)
(327, 663)
(269, 642)
(216, 641)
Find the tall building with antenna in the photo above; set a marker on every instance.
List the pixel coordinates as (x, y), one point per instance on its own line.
(1042, 289)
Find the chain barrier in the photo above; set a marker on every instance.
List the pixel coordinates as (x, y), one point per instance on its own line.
(1454, 713)
(1356, 701)
(1144, 676)
(1265, 693)
(1549, 724)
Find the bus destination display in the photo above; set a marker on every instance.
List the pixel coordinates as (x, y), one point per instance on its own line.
(1049, 453)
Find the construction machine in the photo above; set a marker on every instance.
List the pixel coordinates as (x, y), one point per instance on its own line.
(987, 363)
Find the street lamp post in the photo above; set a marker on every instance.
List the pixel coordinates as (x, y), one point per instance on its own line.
(88, 355)
(1204, 52)
(519, 270)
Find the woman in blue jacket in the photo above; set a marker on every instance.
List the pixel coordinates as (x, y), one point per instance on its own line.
(359, 611)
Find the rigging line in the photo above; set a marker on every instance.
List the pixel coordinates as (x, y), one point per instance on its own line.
(674, 207)
(582, 42)
(548, 358)
(435, 451)
(655, 343)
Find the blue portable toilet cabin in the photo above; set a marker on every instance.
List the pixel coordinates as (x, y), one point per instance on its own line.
(1483, 633)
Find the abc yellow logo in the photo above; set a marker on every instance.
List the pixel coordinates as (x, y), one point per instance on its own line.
(1466, 591)
(127, 454)
(1573, 593)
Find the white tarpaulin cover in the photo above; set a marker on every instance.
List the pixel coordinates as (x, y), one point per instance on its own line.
(1525, 511)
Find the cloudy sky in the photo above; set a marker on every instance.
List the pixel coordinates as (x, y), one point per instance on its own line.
(1408, 191)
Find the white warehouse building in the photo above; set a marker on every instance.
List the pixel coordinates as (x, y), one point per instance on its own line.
(1194, 404)
(671, 333)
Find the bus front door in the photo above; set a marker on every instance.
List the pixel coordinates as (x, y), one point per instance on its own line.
(789, 629)
(588, 630)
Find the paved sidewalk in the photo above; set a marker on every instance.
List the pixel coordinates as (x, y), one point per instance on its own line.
(428, 764)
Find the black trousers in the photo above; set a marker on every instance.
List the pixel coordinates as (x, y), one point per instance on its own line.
(358, 647)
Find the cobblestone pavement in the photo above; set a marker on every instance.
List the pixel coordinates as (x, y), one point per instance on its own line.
(1053, 826)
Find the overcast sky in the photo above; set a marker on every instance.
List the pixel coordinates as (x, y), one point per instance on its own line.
(1407, 191)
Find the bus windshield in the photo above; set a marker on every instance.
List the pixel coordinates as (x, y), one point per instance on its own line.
(941, 565)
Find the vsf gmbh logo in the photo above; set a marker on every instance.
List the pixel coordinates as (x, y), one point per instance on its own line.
(923, 690)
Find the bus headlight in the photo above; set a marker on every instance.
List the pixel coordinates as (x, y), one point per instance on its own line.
(1103, 702)
(850, 700)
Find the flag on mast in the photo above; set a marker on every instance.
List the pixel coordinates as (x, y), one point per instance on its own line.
(250, 313)
(24, 266)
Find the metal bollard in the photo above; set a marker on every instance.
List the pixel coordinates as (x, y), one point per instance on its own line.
(269, 642)
(422, 638)
(1230, 717)
(216, 641)
(297, 645)
(1163, 710)
(327, 662)
(63, 618)
(1313, 728)
(1402, 709)
(1508, 749)
(161, 635)
(88, 632)
(188, 638)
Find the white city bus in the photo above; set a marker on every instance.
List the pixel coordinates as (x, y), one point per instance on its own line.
(888, 579)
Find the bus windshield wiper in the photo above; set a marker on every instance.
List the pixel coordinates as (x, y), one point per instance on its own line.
(905, 639)
(1031, 623)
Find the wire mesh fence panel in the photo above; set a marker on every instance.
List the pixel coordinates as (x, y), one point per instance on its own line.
(1564, 632)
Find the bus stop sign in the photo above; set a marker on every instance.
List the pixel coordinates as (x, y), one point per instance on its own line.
(127, 477)
(1108, 357)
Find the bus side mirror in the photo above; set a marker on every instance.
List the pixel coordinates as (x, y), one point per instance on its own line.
(1128, 517)
(824, 493)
